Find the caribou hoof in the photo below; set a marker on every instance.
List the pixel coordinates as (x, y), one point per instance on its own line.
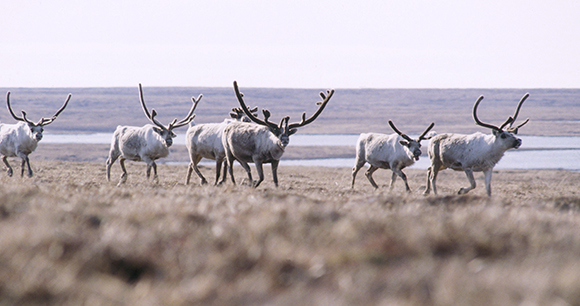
(122, 180)
(10, 173)
(463, 191)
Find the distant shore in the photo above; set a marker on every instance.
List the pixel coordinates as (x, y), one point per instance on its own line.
(552, 112)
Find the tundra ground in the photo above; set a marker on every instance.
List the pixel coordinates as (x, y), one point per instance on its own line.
(69, 237)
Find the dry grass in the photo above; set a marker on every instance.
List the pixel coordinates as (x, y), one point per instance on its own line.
(68, 237)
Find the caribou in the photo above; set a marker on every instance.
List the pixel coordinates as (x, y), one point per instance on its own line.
(263, 142)
(21, 139)
(476, 152)
(394, 151)
(147, 143)
(205, 141)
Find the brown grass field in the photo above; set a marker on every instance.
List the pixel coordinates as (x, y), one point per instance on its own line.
(69, 237)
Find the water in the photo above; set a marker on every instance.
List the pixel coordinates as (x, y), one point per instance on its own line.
(536, 152)
(521, 159)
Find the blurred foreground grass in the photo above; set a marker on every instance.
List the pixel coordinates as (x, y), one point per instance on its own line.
(68, 237)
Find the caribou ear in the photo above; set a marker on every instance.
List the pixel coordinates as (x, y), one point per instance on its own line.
(404, 142)
(496, 132)
(158, 130)
(292, 131)
(234, 115)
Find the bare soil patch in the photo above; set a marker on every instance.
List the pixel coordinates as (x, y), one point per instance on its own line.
(69, 237)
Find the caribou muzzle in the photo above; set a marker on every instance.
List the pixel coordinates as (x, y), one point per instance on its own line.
(417, 154)
(285, 141)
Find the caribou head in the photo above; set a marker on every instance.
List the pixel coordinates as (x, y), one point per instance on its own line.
(284, 129)
(414, 145)
(36, 128)
(167, 132)
(506, 137)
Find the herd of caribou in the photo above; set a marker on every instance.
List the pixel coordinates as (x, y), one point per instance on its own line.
(248, 139)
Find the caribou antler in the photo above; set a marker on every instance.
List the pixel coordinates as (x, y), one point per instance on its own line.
(248, 113)
(422, 137)
(486, 125)
(407, 138)
(237, 112)
(150, 116)
(26, 119)
(174, 124)
(42, 121)
(510, 120)
(511, 129)
(12, 112)
(273, 126)
(189, 116)
(325, 99)
(51, 119)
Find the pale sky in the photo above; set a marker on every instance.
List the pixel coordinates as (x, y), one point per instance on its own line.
(297, 44)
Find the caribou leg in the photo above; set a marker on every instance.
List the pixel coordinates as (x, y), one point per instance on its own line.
(434, 173)
(393, 179)
(357, 165)
(110, 161)
(151, 164)
(218, 170)
(230, 162)
(248, 170)
(225, 176)
(155, 177)
(189, 171)
(428, 187)
(275, 171)
(124, 175)
(488, 181)
(25, 162)
(471, 179)
(400, 173)
(260, 174)
(369, 175)
(431, 179)
(22, 167)
(193, 165)
(7, 165)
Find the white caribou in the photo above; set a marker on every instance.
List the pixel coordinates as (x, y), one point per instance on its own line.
(147, 143)
(474, 152)
(21, 139)
(263, 142)
(394, 151)
(205, 141)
